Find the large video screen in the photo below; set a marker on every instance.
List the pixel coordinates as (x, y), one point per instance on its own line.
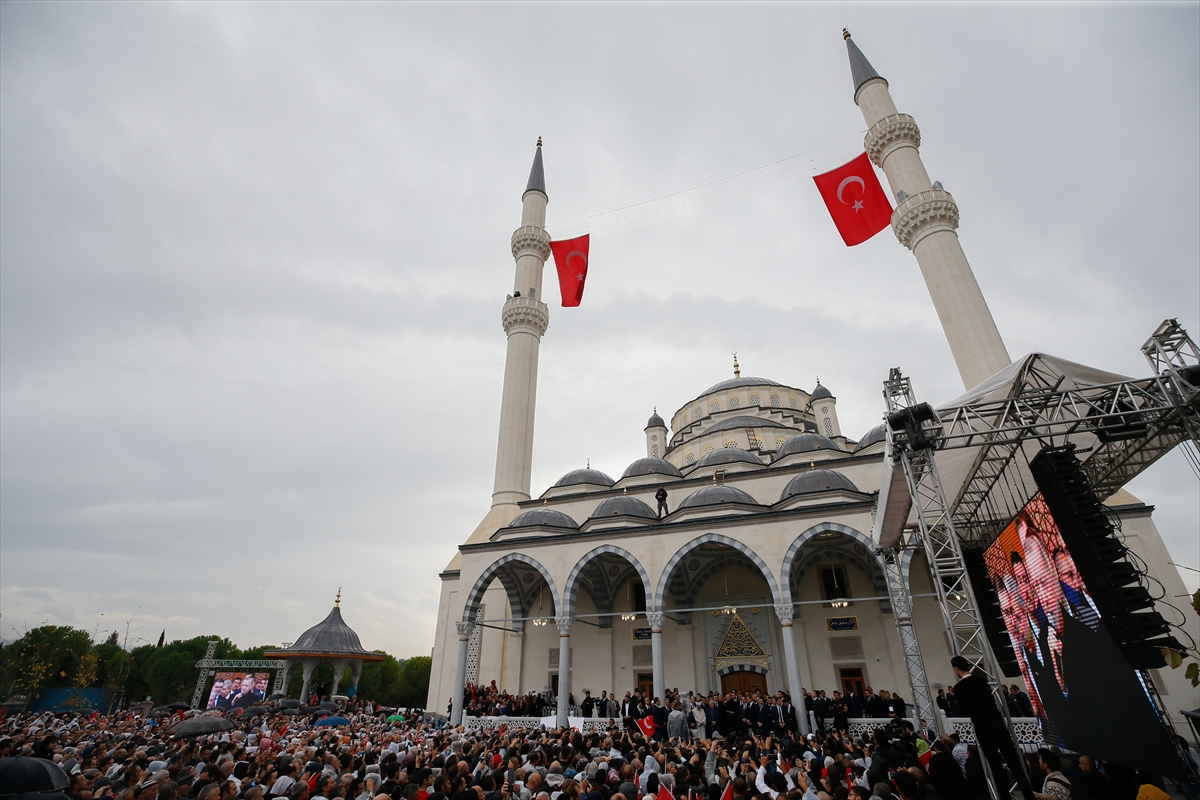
(1083, 690)
(238, 690)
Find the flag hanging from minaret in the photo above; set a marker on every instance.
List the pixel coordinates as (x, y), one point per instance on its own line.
(571, 260)
(855, 200)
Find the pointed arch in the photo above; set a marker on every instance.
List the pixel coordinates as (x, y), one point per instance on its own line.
(804, 538)
(713, 538)
(571, 589)
(497, 570)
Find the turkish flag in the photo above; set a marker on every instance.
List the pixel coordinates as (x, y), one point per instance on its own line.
(664, 794)
(646, 726)
(855, 200)
(571, 259)
(728, 793)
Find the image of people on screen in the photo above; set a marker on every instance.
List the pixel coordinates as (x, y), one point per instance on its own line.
(237, 690)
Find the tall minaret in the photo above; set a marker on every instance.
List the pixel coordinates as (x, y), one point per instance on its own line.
(925, 219)
(525, 318)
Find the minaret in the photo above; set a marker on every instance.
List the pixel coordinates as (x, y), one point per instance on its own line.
(656, 436)
(824, 407)
(525, 318)
(924, 221)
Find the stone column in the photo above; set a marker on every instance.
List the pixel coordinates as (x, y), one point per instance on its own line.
(655, 619)
(564, 669)
(795, 686)
(355, 674)
(339, 667)
(306, 671)
(465, 629)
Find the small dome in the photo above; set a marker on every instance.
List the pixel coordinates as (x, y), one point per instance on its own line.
(820, 393)
(805, 443)
(728, 455)
(580, 476)
(735, 383)
(656, 421)
(873, 436)
(817, 480)
(543, 516)
(624, 505)
(651, 466)
(715, 495)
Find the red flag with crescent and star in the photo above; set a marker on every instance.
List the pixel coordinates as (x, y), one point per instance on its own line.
(646, 726)
(855, 200)
(571, 260)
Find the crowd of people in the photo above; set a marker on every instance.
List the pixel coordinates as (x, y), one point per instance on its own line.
(375, 754)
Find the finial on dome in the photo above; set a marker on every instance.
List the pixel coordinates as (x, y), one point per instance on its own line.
(540, 138)
(818, 380)
(624, 490)
(812, 464)
(737, 371)
(338, 602)
(845, 35)
(589, 463)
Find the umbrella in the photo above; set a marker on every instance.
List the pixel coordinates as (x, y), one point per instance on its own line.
(22, 774)
(332, 720)
(254, 711)
(328, 704)
(42, 796)
(291, 712)
(201, 726)
(178, 706)
(312, 709)
(292, 703)
(162, 709)
(395, 718)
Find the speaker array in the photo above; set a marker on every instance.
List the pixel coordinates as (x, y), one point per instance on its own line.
(1113, 582)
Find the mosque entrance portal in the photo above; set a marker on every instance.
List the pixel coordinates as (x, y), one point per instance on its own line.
(744, 681)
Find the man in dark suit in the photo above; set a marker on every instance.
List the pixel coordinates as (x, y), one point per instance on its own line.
(821, 709)
(660, 713)
(790, 723)
(975, 700)
(873, 705)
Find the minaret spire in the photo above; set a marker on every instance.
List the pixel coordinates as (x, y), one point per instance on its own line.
(924, 221)
(525, 318)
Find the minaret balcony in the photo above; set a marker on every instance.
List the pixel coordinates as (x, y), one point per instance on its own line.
(889, 134)
(922, 214)
(525, 315)
(531, 241)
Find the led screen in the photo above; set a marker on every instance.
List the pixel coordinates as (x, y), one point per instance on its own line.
(238, 689)
(1085, 693)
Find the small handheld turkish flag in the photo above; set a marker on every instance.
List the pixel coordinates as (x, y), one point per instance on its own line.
(855, 200)
(646, 726)
(571, 260)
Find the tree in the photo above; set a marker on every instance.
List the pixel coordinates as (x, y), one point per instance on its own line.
(113, 639)
(48, 656)
(416, 680)
(382, 681)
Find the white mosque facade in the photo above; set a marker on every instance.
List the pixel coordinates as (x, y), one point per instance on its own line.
(762, 573)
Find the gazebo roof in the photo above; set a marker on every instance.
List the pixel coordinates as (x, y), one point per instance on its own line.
(329, 638)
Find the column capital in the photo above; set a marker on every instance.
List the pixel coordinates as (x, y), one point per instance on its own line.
(655, 620)
(465, 629)
(531, 241)
(525, 315)
(785, 614)
(922, 214)
(889, 134)
(564, 625)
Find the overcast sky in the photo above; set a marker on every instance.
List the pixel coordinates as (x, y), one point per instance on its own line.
(252, 258)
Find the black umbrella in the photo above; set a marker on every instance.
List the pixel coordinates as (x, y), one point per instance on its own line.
(21, 775)
(178, 706)
(329, 704)
(42, 796)
(277, 696)
(290, 703)
(291, 712)
(201, 726)
(254, 711)
(162, 709)
(312, 709)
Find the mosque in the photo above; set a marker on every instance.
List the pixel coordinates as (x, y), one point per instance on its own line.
(759, 570)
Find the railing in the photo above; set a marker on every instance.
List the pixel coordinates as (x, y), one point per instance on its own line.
(584, 724)
(1028, 729)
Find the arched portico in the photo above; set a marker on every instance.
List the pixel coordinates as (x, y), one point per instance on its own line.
(714, 538)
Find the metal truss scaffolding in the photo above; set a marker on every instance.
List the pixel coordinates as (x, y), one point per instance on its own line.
(913, 662)
(208, 667)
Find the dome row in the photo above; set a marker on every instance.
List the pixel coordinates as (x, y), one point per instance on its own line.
(817, 480)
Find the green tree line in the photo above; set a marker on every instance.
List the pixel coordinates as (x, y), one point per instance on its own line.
(56, 656)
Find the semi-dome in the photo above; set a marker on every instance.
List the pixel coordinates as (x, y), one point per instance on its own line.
(544, 516)
(728, 455)
(745, 421)
(624, 505)
(817, 480)
(734, 383)
(805, 443)
(873, 436)
(820, 393)
(651, 466)
(715, 495)
(655, 421)
(580, 476)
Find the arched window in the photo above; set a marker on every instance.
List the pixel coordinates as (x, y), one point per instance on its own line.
(775, 401)
(654, 437)
(755, 400)
(690, 459)
(735, 402)
(828, 428)
(708, 448)
(696, 415)
(792, 402)
(730, 443)
(779, 442)
(654, 451)
(715, 407)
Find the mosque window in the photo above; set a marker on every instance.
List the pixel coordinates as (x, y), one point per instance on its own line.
(690, 459)
(654, 451)
(779, 442)
(825, 409)
(792, 402)
(730, 443)
(755, 400)
(828, 428)
(654, 437)
(696, 415)
(715, 407)
(708, 448)
(775, 401)
(735, 402)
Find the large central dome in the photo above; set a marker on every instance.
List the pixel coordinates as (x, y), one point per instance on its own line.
(734, 383)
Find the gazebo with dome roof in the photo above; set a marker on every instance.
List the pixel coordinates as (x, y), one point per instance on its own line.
(331, 641)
